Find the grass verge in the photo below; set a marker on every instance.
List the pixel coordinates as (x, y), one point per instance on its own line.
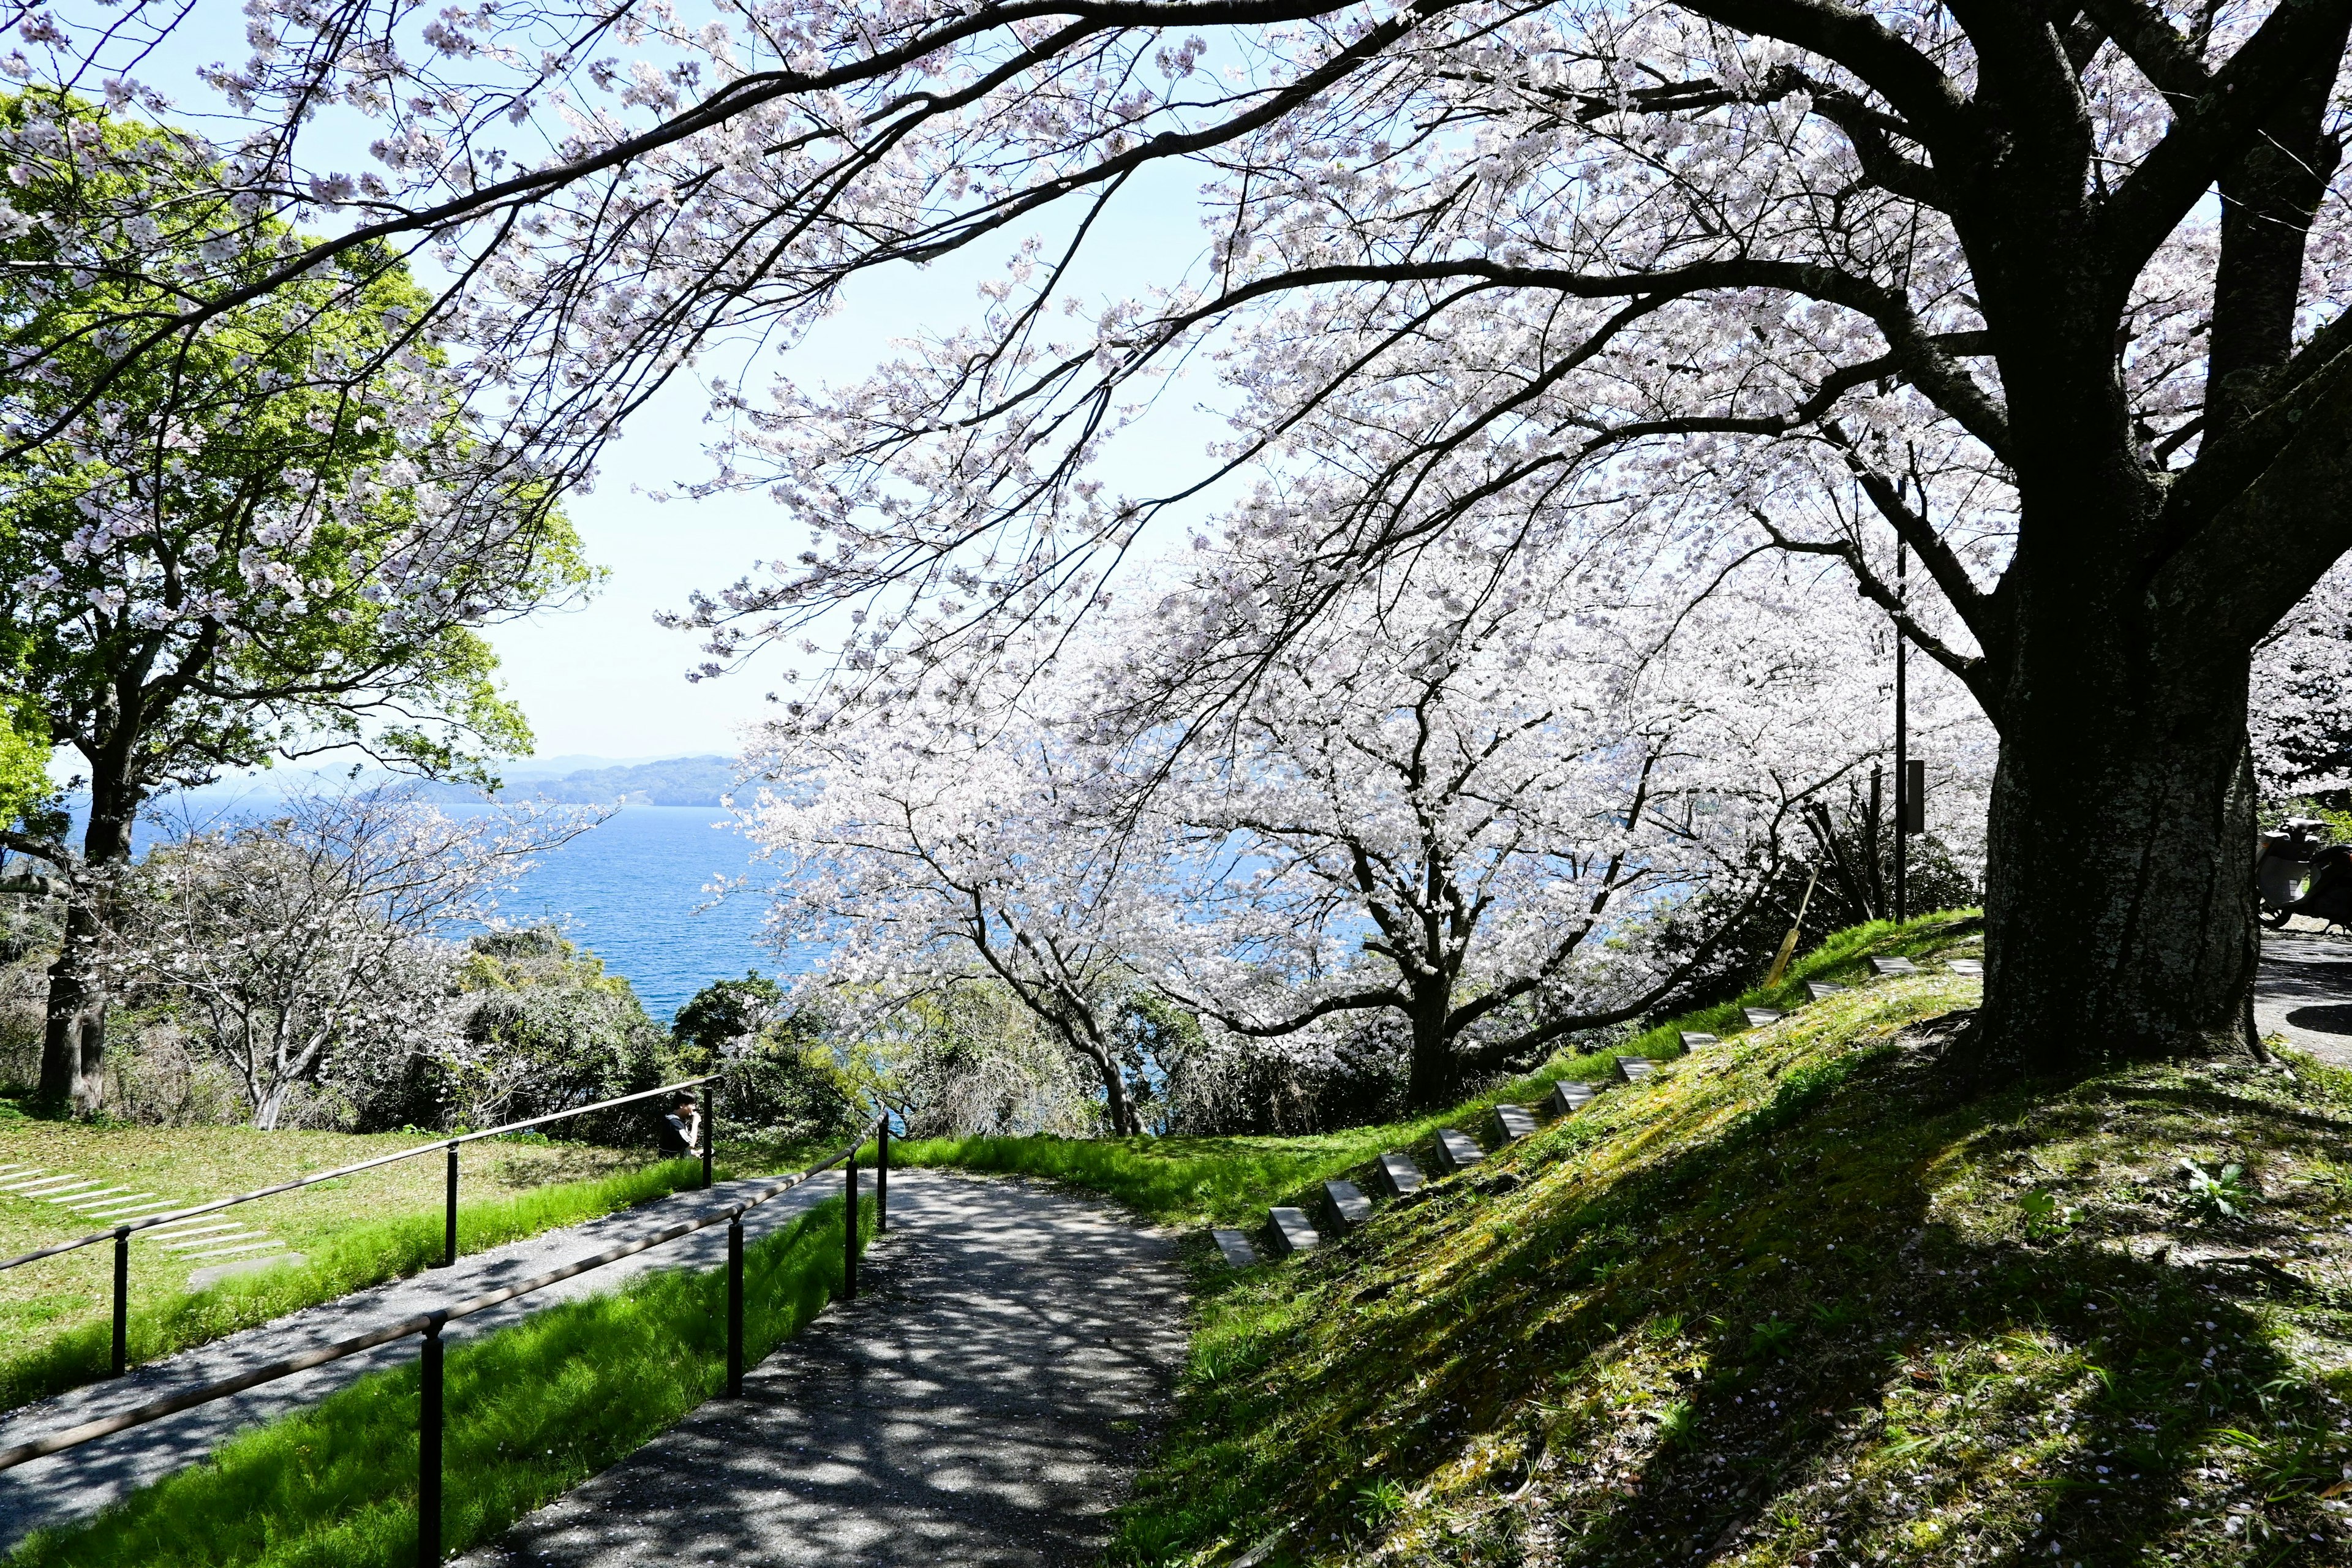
(1231, 1181)
(1812, 1299)
(351, 1256)
(532, 1411)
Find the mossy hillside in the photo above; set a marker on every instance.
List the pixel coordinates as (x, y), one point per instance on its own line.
(1231, 1181)
(1807, 1298)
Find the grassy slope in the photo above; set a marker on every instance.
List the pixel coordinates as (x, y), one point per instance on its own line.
(1231, 1181)
(532, 1411)
(54, 1327)
(1791, 1303)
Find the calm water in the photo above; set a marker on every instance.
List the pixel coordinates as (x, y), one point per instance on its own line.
(631, 890)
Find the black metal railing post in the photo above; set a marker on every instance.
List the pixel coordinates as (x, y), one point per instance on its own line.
(735, 1307)
(449, 1227)
(849, 1233)
(882, 1176)
(121, 1359)
(428, 1446)
(709, 1131)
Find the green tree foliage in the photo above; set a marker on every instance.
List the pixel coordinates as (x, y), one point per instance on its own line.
(281, 535)
(781, 1076)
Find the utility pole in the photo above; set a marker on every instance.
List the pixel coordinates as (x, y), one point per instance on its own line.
(1902, 744)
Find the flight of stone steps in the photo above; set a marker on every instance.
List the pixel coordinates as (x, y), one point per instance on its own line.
(1343, 1205)
(211, 1241)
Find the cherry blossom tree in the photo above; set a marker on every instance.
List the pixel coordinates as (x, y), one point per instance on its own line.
(1822, 275)
(314, 945)
(922, 856)
(1469, 807)
(236, 552)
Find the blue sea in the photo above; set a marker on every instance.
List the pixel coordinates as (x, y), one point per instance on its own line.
(634, 891)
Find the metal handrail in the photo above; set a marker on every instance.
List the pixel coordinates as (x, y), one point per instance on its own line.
(122, 1232)
(430, 1324)
(147, 1222)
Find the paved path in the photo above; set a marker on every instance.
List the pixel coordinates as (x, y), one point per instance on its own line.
(78, 1483)
(984, 1401)
(2304, 991)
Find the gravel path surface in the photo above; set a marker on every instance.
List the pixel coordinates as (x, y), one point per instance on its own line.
(984, 1401)
(81, 1481)
(2304, 991)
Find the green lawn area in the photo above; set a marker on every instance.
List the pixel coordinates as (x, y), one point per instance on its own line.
(1813, 1299)
(531, 1411)
(54, 1315)
(1232, 1181)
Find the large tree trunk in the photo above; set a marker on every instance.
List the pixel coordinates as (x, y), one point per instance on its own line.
(73, 1043)
(1433, 1081)
(2120, 902)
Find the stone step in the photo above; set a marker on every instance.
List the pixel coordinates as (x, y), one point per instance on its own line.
(1633, 1069)
(1292, 1231)
(1513, 1121)
(1568, 1096)
(1893, 966)
(1821, 990)
(1694, 1041)
(1346, 1206)
(1758, 1016)
(1970, 966)
(1238, 1252)
(1456, 1151)
(1396, 1174)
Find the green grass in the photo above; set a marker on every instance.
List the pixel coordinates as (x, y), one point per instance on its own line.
(532, 1411)
(1232, 1181)
(1815, 1297)
(353, 1255)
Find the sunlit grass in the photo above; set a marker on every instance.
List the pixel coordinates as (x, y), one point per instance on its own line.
(1815, 1298)
(352, 1255)
(1231, 1181)
(532, 1411)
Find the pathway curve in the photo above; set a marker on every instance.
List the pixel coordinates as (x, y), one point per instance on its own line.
(79, 1482)
(984, 1402)
(2304, 991)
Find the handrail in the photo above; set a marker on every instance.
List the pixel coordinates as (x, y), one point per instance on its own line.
(431, 1323)
(147, 1222)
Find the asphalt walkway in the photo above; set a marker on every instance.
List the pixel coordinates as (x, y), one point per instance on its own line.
(2304, 991)
(83, 1480)
(984, 1402)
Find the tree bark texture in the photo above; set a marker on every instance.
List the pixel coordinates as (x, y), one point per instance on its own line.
(73, 1041)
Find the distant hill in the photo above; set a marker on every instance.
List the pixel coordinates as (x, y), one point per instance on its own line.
(674, 780)
(670, 780)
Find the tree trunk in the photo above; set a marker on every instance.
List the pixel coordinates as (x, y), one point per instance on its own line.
(73, 1043)
(2120, 904)
(1434, 1079)
(1116, 1105)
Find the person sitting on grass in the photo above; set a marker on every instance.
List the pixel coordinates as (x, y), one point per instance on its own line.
(681, 1128)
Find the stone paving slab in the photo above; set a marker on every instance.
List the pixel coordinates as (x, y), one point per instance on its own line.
(1346, 1206)
(79, 1482)
(982, 1404)
(1568, 1096)
(1455, 1151)
(1397, 1175)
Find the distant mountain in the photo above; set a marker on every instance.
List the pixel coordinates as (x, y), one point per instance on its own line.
(569, 781)
(674, 780)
